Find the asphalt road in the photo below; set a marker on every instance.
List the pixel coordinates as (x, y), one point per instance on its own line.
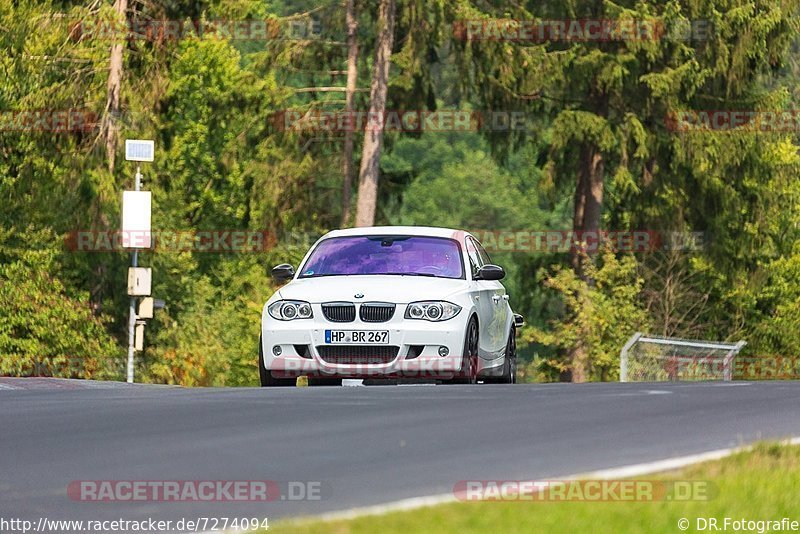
(359, 445)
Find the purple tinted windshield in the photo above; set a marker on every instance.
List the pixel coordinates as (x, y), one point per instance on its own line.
(402, 255)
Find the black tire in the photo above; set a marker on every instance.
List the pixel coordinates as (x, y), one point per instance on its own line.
(509, 370)
(267, 380)
(510, 365)
(469, 370)
(324, 381)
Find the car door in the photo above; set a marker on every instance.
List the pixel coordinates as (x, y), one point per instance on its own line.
(500, 308)
(483, 293)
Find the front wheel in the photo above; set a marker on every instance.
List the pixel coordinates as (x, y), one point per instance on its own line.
(267, 380)
(469, 365)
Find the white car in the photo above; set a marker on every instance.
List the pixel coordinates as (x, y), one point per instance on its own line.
(389, 302)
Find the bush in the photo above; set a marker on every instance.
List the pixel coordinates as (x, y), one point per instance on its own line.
(601, 311)
(44, 331)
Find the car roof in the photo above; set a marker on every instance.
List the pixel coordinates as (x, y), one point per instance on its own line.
(430, 231)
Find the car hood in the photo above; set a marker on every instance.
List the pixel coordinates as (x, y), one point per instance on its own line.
(398, 289)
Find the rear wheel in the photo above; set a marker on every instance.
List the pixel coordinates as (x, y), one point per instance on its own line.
(509, 371)
(510, 365)
(267, 380)
(469, 366)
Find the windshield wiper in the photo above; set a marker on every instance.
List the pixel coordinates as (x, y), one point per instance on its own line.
(411, 274)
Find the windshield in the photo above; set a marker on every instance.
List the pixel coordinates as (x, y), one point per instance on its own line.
(399, 255)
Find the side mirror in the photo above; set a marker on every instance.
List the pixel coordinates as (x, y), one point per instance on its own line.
(283, 272)
(490, 272)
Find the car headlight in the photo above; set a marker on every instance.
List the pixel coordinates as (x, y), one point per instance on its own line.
(289, 310)
(432, 310)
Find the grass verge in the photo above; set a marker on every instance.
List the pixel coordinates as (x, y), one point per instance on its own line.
(759, 484)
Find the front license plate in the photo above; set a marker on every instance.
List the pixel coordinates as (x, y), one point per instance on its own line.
(361, 337)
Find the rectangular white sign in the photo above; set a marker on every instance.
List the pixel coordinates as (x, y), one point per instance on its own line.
(136, 213)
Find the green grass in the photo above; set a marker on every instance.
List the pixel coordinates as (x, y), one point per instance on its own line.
(761, 484)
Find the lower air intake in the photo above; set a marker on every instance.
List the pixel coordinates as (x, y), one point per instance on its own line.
(358, 354)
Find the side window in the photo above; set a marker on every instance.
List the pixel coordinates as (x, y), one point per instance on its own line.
(474, 256)
(485, 260)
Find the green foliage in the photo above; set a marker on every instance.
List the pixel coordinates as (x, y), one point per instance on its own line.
(224, 163)
(452, 175)
(601, 313)
(777, 328)
(44, 331)
(213, 341)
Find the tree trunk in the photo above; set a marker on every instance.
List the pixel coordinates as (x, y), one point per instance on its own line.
(352, 76)
(586, 218)
(373, 137)
(593, 162)
(579, 363)
(114, 84)
(578, 217)
(588, 200)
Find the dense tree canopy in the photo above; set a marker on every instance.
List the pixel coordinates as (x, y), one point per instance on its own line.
(604, 145)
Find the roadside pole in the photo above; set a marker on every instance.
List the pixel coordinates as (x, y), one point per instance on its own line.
(132, 315)
(136, 234)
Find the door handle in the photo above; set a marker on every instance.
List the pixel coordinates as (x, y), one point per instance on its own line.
(496, 298)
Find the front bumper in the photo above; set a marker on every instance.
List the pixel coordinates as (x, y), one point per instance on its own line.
(418, 342)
